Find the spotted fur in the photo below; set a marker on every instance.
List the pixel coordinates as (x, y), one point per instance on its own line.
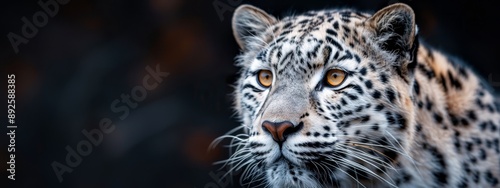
(407, 115)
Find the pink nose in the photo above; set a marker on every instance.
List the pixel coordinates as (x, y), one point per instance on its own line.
(279, 131)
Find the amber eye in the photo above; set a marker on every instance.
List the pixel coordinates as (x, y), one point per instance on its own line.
(265, 78)
(335, 77)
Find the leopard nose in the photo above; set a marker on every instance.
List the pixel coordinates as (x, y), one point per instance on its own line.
(280, 130)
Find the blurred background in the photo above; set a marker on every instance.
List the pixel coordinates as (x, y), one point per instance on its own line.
(92, 52)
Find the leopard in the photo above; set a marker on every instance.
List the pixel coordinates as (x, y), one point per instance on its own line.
(345, 98)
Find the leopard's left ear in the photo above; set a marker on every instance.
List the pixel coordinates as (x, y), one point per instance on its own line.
(395, 30)
(249, 25)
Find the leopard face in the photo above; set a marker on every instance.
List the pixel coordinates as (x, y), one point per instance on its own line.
(324, 96)
(340, 98)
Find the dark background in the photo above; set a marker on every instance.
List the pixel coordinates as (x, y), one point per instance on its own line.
(93, 51)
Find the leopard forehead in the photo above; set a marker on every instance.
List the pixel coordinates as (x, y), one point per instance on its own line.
(318, 25)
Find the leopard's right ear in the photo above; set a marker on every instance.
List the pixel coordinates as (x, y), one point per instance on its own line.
(249, 25)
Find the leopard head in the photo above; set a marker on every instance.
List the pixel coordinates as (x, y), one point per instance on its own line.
(325, 96)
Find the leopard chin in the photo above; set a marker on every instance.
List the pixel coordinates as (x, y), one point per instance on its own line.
(286, 174)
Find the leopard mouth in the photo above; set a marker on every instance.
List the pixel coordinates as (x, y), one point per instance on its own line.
(283, 159)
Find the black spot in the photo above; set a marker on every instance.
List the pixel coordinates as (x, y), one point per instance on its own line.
(343, 102)
(456, 141)
(454, 119)
(489, 143)
(461, 71)
(251, 87)
(316, 134)
(473, 160)
(363, 71)
(334, 116)
(420, 104)
(472, 115)
(466, 167)
(418, 127)
(376, 94)
(336, 25)
(401, 121)
(335, 43)
(429, 73)
(346, 124)
(321, 109)
(416, 87)
(406, 177)
(438, 118)
(348, 112)
(331, 32)
(368, 84)
(357, 58)
(364, 140)
(483, 126)
(429, 104)
(479, 103)
(468, 146)
(454, 82)
(480, 92)
(491, 108)
(375, 127)
(482, 154)
(347, 55)
(493, 127)
(383, 78)
(336, 56)
(390, 95)
(365, 119)
(346, 29)
(443, 83)
(358, 89)
(352, 97)
(372, 67)
(464, 122)
(392, 155)
(379, 107)
(326, 128)
(390, 119)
